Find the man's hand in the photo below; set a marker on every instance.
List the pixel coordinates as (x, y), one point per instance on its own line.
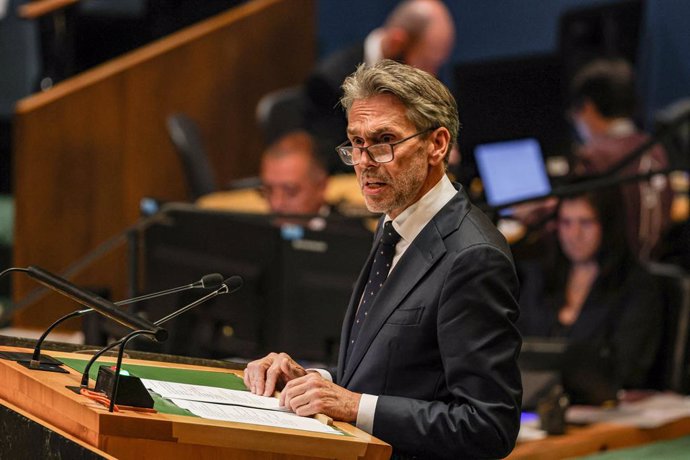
(312, 394)
(274, 370)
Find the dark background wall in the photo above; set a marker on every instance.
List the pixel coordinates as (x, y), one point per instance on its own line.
(486, 29)
(502, 29)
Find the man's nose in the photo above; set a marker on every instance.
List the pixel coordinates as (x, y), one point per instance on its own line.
(278, 201)
(365, 159)
(578, 229)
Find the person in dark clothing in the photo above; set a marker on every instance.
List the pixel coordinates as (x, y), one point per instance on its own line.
(428, 348)
(592, 290)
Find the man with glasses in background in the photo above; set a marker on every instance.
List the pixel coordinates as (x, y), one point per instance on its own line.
(293, 180)
(428, 350)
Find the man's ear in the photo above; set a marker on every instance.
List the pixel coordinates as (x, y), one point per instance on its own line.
(440, 141)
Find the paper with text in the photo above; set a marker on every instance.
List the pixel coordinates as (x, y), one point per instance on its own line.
(173, 390)
(254, 416)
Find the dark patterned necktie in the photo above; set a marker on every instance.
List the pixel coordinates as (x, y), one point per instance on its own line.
(378, 274)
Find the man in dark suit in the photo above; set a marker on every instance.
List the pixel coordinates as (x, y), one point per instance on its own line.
(420, 33)
(428, 355)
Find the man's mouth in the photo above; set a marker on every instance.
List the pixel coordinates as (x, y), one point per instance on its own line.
(372, 186)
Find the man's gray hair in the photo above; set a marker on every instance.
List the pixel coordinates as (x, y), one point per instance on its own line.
(429, 103)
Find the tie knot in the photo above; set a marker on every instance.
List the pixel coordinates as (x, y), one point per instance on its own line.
(389, 236)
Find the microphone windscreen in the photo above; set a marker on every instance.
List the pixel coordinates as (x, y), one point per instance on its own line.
(234, 283)
(212, 281)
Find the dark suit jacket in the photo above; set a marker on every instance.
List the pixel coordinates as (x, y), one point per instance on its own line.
(440, 345)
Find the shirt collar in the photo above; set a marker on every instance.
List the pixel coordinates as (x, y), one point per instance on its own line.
(412, 220)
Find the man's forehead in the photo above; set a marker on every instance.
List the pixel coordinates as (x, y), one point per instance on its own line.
(372, 129)
(291, 162)
(385, 98)
(378, 113)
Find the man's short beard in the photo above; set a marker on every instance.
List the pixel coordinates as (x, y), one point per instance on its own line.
(406, 188)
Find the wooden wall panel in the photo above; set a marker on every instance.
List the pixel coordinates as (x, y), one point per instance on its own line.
(87, 150)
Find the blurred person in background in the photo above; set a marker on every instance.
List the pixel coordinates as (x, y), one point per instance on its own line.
(420, 33)
(293, 179)
(602, 108)
(590, 289)
(602, 105)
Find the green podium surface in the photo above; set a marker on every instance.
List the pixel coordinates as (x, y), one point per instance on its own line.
(168, 374)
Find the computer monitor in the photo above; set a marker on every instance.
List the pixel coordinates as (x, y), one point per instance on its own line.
(188, 243)
(318, 272)
(512, 170)
(297, 282)
(513, 98)
(585, 371)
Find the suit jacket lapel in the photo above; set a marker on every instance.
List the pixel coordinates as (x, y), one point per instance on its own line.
(354, 302)
(418, 259)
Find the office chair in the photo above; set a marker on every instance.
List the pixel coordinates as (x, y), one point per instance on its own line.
(671, 370)
(280, 112)
(20, 58)
(185, 136)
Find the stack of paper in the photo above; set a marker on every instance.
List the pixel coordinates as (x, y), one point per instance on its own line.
(234, 406)
(653, 411)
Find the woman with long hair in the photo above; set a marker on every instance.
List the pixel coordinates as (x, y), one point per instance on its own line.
(592, 290)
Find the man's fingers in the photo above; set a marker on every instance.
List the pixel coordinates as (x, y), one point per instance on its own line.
(301, 404)
(272, 375)
(282, 399)
(297, 392)
(256, 378)
(255, 373)
(286, 367)
(263, 376)
(290, 368)
(312, 394)
(291, 389)
(245, 378)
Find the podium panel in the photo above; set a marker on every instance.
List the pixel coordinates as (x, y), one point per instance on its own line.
(20, 433)
(134, 435)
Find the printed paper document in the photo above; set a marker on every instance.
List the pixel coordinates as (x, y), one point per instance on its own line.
(172, 390)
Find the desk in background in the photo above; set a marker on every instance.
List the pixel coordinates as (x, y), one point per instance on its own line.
(600, 437)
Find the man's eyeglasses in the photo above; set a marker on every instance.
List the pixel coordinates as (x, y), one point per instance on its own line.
(379, 153)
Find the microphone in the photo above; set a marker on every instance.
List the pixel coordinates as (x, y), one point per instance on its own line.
(210, 281)
(89, 299)
(230, 285)
(37, 361)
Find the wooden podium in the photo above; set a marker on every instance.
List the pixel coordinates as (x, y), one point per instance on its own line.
(44, 396)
